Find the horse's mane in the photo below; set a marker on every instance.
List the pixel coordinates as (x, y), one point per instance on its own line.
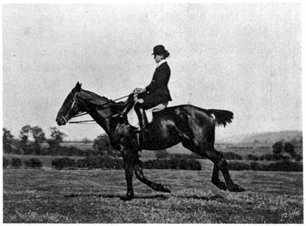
(98, 100)
(94, 98)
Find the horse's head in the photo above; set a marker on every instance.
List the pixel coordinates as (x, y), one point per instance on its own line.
(71, 106)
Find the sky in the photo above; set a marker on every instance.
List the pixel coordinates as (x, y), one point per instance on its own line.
(246, 58)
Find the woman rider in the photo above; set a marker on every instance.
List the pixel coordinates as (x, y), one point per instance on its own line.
(156, 94)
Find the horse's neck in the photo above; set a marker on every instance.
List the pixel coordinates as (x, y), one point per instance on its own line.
(93, 101)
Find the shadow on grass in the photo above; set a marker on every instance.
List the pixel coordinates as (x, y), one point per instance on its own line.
(215, 197)
(117, 196)
(159, 197)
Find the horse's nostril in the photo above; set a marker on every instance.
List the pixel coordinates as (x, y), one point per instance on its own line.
(59, 121)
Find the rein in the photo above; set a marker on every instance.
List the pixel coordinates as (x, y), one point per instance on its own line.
(84, 121)
(100, 107)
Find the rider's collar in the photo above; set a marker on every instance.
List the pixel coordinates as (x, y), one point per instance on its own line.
(161, 62)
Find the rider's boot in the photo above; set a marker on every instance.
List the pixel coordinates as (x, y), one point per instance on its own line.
(143, 122)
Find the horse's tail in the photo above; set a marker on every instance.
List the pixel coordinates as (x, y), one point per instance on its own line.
(222, 116)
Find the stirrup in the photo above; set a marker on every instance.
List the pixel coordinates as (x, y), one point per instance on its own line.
(115, 116)
(118, 115)
(139, 139)
(141, 130)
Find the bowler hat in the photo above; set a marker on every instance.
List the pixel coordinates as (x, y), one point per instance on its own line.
(159, 49)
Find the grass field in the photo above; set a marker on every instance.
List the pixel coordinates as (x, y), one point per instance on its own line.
(93, 196)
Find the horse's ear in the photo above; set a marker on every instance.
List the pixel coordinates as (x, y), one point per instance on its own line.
(78, 87)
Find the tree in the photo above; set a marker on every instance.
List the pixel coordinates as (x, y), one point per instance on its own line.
(8, 139)
(85, 140)
(56, 138)
(39, 138)
(289, 148)
(57, 135)
(294, 141)
(34, 145)
(25, 132)
(24, 143)
(278, 147)
(103, 147)
(256, 141)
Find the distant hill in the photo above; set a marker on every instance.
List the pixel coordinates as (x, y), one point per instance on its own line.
(267, 137)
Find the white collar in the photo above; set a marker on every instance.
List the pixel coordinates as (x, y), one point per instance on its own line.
(161, 62)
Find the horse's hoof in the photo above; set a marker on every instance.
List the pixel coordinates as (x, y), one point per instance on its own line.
(127, 198)
(166, 189)
(241, 189)
(236, 188)
(221, 185)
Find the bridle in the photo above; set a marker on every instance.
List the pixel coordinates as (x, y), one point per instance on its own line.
(65, 117)
(100, 107)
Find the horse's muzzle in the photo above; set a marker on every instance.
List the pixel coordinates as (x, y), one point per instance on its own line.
(61, 121)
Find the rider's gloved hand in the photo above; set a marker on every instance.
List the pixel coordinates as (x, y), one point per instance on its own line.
(139, 90)
(139, 101)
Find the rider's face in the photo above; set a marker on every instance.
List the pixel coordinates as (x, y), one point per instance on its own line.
(158, 58)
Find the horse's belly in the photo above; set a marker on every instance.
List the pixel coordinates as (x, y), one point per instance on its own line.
(161, 133)
(158, 143)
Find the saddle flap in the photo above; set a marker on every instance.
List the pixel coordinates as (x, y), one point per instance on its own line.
(133, 119)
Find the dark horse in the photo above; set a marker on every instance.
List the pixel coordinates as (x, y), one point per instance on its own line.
(192, 126)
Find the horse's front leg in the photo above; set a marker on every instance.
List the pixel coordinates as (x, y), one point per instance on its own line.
(139, 174)
(128, 167)
(221, 164)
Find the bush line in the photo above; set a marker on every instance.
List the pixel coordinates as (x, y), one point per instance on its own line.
(112, 163)
(17, 163)
(172, 163)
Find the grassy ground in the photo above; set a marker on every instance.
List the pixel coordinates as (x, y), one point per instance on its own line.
(93, 196)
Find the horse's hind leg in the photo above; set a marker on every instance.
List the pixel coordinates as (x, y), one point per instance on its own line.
(212, 155)
(231, 186)
(221, 164)
(139, 174)
(215, 178)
